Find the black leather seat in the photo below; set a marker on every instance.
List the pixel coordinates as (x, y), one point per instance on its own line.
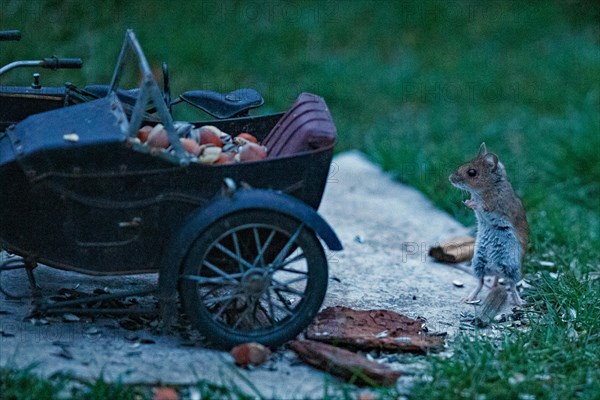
(126, 96)
(219, 105)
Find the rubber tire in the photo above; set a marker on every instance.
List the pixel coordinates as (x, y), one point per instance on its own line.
(216, 333)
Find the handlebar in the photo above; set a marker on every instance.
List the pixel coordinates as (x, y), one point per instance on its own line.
(6, 36)
(51, 63)
(55, 63)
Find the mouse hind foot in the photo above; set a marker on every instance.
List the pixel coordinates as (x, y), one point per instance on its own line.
(474, 293)
(515, 295)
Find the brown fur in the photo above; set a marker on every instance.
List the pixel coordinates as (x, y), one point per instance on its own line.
(495, 190)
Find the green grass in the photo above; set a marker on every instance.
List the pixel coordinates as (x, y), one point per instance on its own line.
(417, 86)
(556, 357)
(22, 384)
(25, 384)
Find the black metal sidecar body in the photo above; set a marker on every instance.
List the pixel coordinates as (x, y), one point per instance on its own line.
(240, 243)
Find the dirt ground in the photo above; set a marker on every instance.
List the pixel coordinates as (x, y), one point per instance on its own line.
(386, 229)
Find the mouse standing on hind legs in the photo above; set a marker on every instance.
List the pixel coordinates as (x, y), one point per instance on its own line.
(502, 229)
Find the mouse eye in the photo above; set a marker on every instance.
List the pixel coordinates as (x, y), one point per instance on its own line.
(472, 172)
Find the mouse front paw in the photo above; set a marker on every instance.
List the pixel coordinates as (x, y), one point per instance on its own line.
(471, 204)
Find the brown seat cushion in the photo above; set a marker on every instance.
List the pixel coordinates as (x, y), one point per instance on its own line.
(306, 126)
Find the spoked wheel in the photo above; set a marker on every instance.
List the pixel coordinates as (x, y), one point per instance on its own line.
(255, 276)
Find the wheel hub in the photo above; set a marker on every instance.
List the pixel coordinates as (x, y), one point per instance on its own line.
(255, 282)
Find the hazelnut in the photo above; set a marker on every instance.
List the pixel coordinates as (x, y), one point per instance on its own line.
(225, 158)
(165, 393)
(143, 133)
(158, 137)
(247, 137)
(251, 152)
(191, 146)
(250, 354)
(209, 134)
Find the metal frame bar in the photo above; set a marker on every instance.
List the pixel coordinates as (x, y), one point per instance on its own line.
(99, 311)
(149, 91)
(67, 306)
(17, 64)
(62, 306)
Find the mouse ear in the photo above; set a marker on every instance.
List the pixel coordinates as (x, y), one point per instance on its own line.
(491, 160)
(482, 150)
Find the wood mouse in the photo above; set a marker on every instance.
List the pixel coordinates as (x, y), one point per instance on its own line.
(502, 229)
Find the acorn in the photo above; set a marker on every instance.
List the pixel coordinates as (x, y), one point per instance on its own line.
(143, 133)
(209, 134)
(209, 154)
(158, 137)
(191, 146)
(246, 137)
(251, 152)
